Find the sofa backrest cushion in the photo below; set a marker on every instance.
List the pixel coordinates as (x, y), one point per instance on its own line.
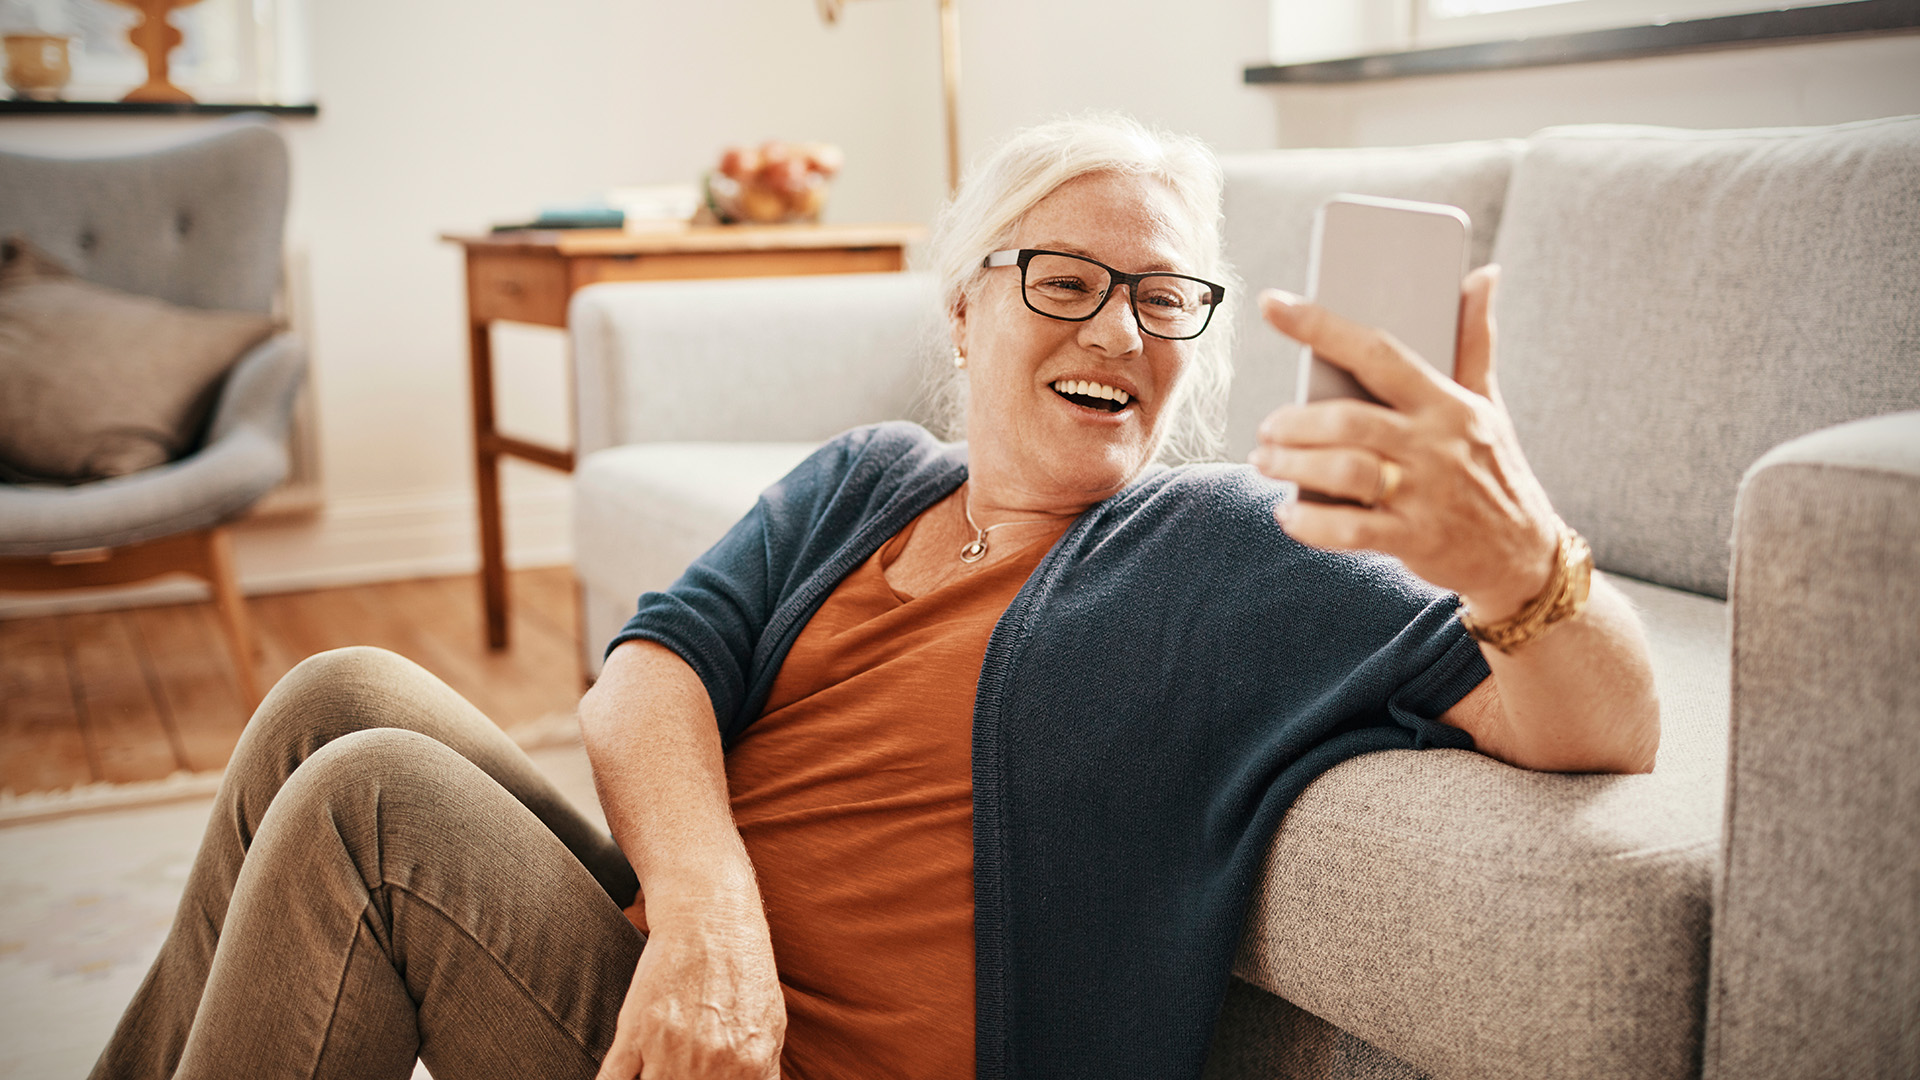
(754, 359)
(1673, 303)
(1270, 201)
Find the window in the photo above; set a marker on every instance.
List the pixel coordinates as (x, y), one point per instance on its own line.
(1306, 30)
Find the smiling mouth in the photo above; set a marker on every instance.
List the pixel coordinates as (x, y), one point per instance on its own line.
(1092, 395)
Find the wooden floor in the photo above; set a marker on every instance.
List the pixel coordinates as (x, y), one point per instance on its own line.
(140, 693)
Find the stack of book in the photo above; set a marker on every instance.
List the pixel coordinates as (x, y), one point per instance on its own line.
(631, 208)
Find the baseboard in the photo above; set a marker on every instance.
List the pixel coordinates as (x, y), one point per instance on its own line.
(352, 541)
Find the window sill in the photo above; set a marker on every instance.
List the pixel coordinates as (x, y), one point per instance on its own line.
(1857, 17)
(27, 107)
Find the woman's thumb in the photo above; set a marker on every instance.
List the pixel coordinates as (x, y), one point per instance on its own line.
(1473, 353)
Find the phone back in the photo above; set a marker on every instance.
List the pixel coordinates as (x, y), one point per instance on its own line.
(1392, 264)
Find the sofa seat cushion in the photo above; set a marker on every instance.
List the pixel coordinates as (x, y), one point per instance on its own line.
(1483, 921)
(642, 512)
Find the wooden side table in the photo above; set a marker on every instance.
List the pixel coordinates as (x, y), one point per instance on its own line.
(530, 276)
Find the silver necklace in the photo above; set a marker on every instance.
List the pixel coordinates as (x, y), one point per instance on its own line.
(976, 549)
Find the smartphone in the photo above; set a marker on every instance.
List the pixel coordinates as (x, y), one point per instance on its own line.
(1388, 263)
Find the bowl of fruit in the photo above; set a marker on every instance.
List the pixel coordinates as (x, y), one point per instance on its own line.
(773, 183)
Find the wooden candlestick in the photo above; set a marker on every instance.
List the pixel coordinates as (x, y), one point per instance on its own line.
(156, 37)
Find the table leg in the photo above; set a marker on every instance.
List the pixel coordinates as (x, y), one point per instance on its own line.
(486, 478)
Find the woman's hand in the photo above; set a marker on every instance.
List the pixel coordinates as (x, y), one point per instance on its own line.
(1466, 513)
(705, 1002)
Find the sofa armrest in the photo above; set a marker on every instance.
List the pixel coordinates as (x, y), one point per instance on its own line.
(259, 389)
(1816, 923)
(751, 359)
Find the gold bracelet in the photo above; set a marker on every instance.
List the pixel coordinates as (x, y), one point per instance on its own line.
(1564, 596)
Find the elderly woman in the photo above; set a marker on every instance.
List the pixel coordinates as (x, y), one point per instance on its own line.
(946, 758)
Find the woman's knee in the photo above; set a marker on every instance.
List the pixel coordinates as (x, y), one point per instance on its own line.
(331, 694)
(363, 770)
(389, 796)
(341, 675)
(366, 811)
(390, 758)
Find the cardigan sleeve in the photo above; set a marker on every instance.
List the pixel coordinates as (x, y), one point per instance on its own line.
(1368, 643)
(714, 615)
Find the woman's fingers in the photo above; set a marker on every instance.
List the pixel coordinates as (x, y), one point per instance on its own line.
(1338, 472)
(1473, 364)
(1337, 422)
(623, 1060)
(1459, 506)
(1388, 370)
(1338, 528)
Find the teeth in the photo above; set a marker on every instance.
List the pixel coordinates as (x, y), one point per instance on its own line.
(1092, 389)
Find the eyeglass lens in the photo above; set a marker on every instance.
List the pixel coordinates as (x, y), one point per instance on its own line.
(1167, 305)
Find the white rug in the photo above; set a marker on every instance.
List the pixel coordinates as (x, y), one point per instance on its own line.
(85, 902)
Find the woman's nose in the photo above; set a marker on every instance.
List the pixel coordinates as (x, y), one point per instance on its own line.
(1113, 329)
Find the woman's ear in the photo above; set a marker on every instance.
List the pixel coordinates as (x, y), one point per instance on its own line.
(957, 325)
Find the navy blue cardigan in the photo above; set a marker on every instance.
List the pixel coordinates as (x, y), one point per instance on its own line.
(1174, 673)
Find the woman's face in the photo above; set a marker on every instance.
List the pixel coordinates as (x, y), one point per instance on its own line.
(1040, 449)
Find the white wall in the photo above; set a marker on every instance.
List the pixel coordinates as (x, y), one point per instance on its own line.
(1815, 83)
(1178, 65)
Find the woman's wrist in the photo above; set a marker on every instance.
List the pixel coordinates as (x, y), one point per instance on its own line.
(721, 889)
(1503, 599)
(728, 913)
(1563, 596)
(720, 879)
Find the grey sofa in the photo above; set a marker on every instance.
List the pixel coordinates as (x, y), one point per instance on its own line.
(1706, 337)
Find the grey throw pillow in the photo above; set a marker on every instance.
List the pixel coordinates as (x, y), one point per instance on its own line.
(95, 382)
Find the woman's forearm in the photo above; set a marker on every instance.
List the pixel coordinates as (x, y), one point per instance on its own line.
(705, 999)
(649, 730)
(1579, 698)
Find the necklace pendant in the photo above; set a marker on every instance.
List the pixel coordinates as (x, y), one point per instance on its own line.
(975, 550)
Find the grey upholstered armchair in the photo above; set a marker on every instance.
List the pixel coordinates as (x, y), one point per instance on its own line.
(197, 225)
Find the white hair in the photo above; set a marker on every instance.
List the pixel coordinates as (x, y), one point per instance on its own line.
(997, 194)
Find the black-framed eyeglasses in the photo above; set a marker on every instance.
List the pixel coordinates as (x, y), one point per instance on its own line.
(1073, 288)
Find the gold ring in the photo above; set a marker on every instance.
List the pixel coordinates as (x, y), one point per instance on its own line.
(1390, 476)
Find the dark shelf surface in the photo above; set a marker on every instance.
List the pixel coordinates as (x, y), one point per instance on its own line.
(1693, 35)
(29, 107)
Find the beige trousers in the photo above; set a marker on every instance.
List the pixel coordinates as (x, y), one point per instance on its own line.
(385, 876)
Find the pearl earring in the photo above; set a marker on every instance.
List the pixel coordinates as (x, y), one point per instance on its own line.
(959, 358)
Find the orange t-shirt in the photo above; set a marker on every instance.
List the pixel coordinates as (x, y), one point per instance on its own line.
(854, 795)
